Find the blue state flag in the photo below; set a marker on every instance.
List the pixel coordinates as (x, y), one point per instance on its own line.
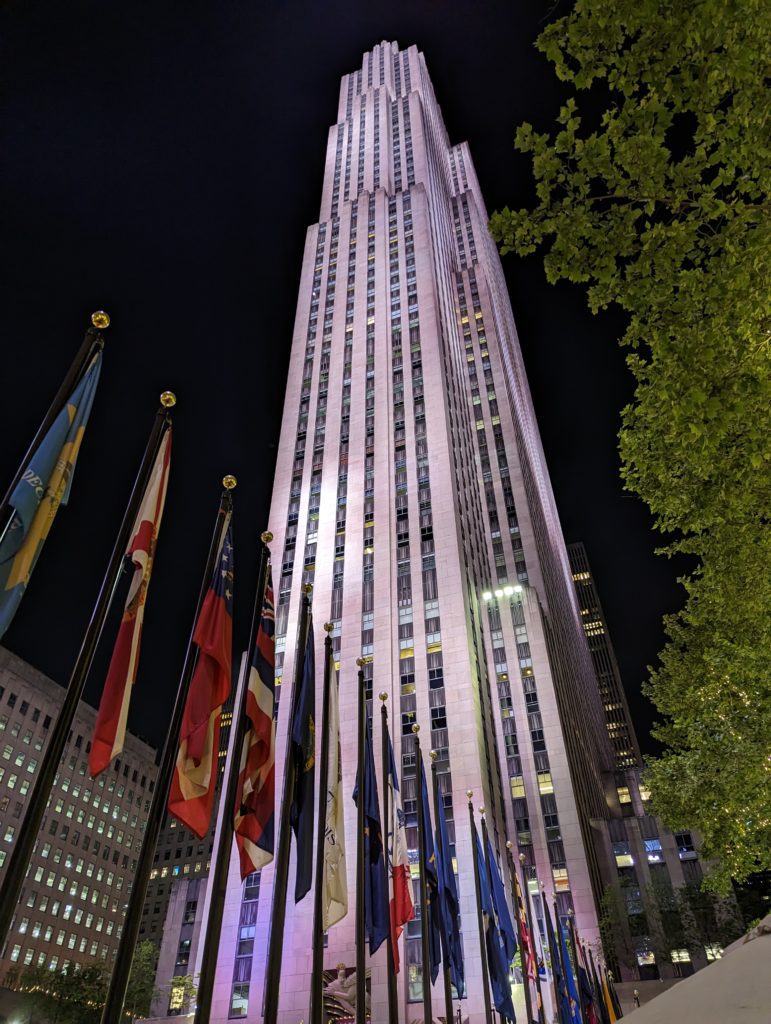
(505, 924)
(570, 981)
(496, 957)
(44, 486)
(449, 903)
(303, 753)
(376, 907)
(566, 1015)
(433, 911)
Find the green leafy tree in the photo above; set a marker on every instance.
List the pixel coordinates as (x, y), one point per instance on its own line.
(183, 989)
(615, 930)
(72, 995)
(141, 985)
(660, 206)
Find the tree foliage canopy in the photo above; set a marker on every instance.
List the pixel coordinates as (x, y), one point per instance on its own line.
(660, 205)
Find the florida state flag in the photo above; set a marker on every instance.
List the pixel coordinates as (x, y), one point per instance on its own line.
(256, 795)
(110, 729)
(195, 775)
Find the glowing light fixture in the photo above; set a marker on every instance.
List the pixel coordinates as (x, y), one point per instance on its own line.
(499, 593)
(487, 595)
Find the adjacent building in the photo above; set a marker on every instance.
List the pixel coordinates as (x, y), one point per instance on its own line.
(80, 876)
(657, 922)
(411, 491)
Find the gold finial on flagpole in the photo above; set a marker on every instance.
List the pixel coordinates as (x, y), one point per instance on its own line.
(415, 729)
(509, 844)
(100, 319)
(328, 627)
(168, 399)
(266, 537)
(229, 482)
(383, 696)
(360, 662)
(307, 588)
(433, 754)
(469, 793)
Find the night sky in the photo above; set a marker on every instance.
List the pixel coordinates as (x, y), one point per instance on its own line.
(162, 162)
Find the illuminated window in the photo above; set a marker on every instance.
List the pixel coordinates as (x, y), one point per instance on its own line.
(517, 786)
(624, 796)
(561, 880)
(681, 956)
(714, 951)
(545, 784)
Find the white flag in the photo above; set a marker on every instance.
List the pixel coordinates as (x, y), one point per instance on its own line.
(335, 880)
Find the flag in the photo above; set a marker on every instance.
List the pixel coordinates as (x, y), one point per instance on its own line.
(614, 1001)
(303, 754)
(195, 774)
(44, 486)
(254, 812)
(505, 924)
(402, 907)
(569, 979)
(375, 914)
(432, 911)
(110, 728)
(449, 904)
(529, 966)
(602, 1009)
(585, 984)
(496, 958)
(610, 1008)
(566, 1016)
(334, 902)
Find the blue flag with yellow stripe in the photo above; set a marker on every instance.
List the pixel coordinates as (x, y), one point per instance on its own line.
(44, 486)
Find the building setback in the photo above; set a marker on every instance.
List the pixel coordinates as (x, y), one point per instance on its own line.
(411, 491)
(73, 901)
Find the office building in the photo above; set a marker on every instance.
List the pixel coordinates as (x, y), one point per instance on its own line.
(411, 491)
(73, 901)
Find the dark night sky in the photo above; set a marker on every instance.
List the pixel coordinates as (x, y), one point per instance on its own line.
(162, 161)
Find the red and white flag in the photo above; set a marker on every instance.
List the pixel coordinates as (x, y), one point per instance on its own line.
(110, 729)
(254, 812)
(402, 908)
(195, 776)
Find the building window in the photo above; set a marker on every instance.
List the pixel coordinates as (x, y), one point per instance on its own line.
(239, 1001)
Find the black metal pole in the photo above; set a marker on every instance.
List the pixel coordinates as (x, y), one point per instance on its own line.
(37, 802)
(116, 994)
(361, 975)
(281, 876)
(516, 903)
(533, 925)
(576, 977)
(445, 938)
(480, 922)
(424, 911)
(317, 973)
(93, 339)
(219, 878)
(393, 1010)
(485, 846)
(560, 954)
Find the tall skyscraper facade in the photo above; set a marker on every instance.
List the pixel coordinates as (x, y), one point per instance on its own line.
(411, 491)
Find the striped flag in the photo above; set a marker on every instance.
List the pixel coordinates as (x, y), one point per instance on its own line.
(529, 964)
(402, 907)
(256, 796)
(44, 486)
(195, 776)
(334, 903)
(110, 728)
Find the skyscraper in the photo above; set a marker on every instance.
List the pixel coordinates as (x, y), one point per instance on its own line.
(411, 491)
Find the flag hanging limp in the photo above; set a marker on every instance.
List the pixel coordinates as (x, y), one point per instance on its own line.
(110, 728)
(334, 902)
(192, 789)
(44, 486)
(254, 814)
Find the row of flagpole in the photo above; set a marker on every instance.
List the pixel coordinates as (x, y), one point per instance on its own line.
(188, 773)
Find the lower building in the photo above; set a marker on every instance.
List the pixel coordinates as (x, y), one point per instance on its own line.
(80, 876)
(655, 920)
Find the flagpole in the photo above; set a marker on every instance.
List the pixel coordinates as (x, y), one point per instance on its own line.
(445, 938)
(556, 995)
(485, 847)
(116, 993)
(533, 925)
(424, 921)
(576, 975)
(317, 973)
(93, 339)
(561, 955)
(37, 802)
(221, 860)
(516, 902)
(393, 1010)
(281, 876)
(361, 977)
(480, 922)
